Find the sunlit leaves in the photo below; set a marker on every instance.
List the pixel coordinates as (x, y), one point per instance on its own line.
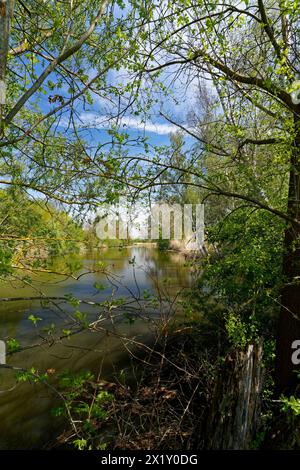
(13, 345)
(34, 319)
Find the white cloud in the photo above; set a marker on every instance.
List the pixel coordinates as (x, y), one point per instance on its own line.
(93, 121)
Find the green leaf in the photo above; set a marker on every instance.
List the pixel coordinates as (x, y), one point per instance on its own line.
(34, 319)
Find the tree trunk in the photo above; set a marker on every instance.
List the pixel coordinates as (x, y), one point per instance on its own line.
(289, 321)
(235, 408)
(6, 13)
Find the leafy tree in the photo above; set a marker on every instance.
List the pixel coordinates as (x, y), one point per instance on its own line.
(249, 50)
(33, 232)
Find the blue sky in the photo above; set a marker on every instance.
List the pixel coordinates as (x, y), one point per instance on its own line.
(94, 120)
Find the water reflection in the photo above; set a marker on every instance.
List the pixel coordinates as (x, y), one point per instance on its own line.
(25, 416)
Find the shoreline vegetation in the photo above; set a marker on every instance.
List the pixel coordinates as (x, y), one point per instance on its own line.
(189, 388)
(112, 108)
(199, 382)
(176, 246)
(184, 394)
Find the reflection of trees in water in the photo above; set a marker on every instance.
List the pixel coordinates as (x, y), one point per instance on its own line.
(83, 351)
(151, 268)
(115, 258)
(11, 317)
(161, 267)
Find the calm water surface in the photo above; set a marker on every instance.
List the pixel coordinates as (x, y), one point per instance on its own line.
(25, 410)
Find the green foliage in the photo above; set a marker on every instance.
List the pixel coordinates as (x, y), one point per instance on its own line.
(291, 404)
(87, 404)
(33, 233)
(245, 275)
(34, 319)
(72, 300)
(258, 440)
(129, 318)
(32, 376)
(80, 444)
(246, 132)
(81, 318)
(146, 294)
(13, 345)
(239, 333)
(99, 286)
(248, 266)
(163, 244)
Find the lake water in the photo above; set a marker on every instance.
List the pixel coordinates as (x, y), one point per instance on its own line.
(130, 273)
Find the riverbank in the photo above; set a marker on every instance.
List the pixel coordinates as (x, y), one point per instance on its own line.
(59, 305)
(176, 246)
(184, 394)
(160, 409)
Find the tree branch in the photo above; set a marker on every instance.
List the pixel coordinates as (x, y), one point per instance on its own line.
(273, 90)
(51, 67)
(268, 29)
